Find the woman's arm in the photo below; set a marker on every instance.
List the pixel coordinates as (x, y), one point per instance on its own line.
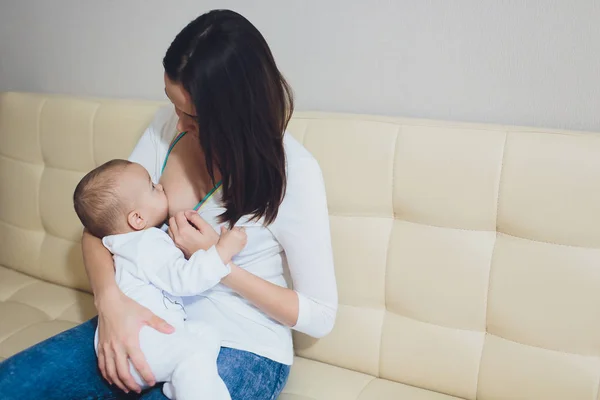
(98, 266)
(277, 302)
(302, 229)
(120, 318)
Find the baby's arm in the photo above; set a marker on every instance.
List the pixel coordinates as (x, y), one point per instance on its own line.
(165, 265)
(231, 243)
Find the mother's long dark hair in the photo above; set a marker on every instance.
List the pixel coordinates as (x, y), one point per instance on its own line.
(243, 105)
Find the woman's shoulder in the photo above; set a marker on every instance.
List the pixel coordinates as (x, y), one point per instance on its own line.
(164, 125)
(299, 161)
(304, 205)
(305, 184)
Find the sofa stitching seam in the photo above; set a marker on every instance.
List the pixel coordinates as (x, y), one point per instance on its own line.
(92, 124)
(469, 230)
(365, 387)
(33, 282)
(489, 283)
(387, 253)
(43, 166)
(20, 330)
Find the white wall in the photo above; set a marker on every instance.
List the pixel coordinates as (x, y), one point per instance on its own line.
(525, 62)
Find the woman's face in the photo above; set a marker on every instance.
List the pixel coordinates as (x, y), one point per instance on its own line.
(183, 106)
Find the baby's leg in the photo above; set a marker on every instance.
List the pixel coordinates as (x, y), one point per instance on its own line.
(196, 378)
(160, 351)
(196, 375)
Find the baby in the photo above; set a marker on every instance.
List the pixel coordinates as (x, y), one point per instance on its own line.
(119, 202)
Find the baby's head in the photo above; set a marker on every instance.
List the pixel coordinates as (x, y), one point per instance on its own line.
(119, 197)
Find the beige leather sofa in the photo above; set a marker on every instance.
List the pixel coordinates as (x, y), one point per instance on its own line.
(467, 256)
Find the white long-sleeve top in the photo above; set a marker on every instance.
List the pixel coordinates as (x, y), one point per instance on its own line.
(151, 270)
(298, 240)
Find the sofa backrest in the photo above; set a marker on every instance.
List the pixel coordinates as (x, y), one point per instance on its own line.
(467, 256)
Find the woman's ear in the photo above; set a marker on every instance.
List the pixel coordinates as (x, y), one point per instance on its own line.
(136, 221)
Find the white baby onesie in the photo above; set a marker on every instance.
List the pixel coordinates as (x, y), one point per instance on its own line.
(151, 270)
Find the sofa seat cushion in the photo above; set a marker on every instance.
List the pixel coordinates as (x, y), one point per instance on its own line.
(32, 310)
(313, 380)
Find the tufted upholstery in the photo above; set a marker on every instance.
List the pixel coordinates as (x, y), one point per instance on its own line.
(467, 256)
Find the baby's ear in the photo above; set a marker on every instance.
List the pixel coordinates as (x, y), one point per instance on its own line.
(136, 221)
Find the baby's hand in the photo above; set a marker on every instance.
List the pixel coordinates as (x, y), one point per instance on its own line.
(231, 243)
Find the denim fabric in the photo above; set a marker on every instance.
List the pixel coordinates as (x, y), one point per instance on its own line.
(65, 367)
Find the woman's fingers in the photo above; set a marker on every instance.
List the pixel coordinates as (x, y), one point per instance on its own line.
(102, 365)
(197, 221)
(181, 221)
(124, 372)
(111, 368)
(173, 227)
(160, 325)
(141, 365)
(123, 319)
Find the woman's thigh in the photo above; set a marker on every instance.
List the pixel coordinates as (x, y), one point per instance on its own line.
(61, 367)
(247, 376)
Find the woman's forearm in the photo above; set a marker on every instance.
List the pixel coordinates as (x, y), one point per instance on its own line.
(277, 302)
(98, 265)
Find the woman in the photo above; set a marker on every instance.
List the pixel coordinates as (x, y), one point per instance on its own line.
(233, 160)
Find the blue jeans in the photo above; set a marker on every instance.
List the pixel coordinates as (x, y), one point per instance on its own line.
(65, 367)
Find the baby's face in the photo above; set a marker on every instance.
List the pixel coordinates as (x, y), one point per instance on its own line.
(146, 197)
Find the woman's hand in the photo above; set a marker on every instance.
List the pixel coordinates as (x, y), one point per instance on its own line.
(119, 322)
(191, 233)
